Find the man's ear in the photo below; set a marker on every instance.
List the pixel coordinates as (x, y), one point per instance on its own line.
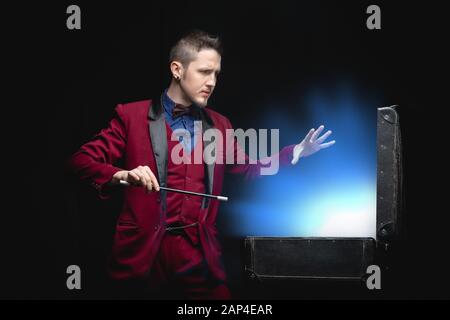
(177, 70)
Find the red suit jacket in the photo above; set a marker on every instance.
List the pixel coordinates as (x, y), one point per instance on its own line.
(137, 134)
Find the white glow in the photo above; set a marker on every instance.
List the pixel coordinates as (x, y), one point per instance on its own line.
(353, 224)
(341, 213)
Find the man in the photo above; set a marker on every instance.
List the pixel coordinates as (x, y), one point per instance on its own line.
(168, 239)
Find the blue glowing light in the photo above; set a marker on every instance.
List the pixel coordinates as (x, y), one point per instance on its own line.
(331, 193)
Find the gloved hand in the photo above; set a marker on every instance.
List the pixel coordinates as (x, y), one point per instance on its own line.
(311, 144)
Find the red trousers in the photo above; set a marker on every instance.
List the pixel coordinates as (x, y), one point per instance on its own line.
(179, 272)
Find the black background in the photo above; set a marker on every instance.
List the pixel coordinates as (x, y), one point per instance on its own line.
(66, 84)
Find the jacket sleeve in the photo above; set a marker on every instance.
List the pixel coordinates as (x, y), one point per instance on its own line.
(254, 170)
(94, 161)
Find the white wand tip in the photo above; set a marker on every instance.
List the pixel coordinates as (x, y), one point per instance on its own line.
(124, 183)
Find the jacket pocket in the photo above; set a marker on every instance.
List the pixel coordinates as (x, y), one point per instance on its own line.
(126, 229)
(126, 224)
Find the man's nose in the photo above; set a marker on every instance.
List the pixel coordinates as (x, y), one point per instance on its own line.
(211, 81)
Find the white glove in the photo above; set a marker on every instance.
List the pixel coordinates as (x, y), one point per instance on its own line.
(311, 144)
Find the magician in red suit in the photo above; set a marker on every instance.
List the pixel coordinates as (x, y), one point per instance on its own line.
(167, 241)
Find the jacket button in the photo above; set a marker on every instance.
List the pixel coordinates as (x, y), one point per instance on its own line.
(157, 227)
(158, 200)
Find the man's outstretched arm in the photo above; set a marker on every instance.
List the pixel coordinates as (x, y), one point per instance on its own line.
(289, 155)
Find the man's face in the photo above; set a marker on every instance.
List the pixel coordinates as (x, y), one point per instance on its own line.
(200, 77)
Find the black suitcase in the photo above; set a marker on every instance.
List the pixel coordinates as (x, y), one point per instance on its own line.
(278, 259)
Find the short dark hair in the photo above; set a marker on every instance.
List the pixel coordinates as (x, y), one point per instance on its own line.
(191, 43)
